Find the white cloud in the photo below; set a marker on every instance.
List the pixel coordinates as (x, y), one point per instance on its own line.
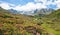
(58, 4)
(30, 7)
(40, 1)
(5, 5)
(45, 2)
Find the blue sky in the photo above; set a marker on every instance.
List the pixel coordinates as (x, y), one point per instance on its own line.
(16, 2)
(29, 5)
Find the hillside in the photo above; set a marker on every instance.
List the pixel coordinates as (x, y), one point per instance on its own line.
(52, 22)
(17, 24)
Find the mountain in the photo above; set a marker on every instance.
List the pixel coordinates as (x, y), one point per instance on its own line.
(52, 22)
(55, 13)
(13, 11)
(41, 11)
(20, 12)
(45, 11)
(19, 24)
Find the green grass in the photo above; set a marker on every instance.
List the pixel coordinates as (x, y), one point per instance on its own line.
(50, 30)
(16, 23)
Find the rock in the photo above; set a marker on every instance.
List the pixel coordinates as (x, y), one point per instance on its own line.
(31, 29)
(37, 33)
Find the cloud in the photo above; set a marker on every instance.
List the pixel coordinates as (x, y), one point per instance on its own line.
(5, 5)
(30, 7)
(55, 3)
(40, 1)
(58, 4)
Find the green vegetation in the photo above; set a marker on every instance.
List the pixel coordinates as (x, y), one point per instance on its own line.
(17, 24)
(52, 22)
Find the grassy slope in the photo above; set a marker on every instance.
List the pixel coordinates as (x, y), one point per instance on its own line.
(17, 24)
(52, 22)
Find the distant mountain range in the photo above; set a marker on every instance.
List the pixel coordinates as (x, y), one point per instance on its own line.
(41, 11)
(45, 11)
